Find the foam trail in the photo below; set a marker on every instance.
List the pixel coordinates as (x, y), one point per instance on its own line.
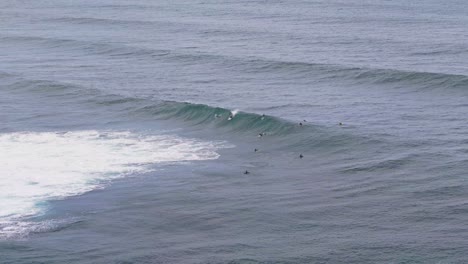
(233, 114)
(36, 167)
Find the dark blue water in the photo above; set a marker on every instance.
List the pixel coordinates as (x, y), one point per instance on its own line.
(126, 129)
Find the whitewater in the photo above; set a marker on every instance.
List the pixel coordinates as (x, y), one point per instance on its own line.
(126, 130)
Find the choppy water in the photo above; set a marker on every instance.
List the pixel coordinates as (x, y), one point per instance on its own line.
(116, 144)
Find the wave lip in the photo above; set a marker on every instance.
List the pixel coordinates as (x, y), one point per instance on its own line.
(37, 167)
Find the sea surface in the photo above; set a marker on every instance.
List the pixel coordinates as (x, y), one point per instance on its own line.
(127, 129)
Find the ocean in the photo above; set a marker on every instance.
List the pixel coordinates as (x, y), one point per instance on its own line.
(219, 131)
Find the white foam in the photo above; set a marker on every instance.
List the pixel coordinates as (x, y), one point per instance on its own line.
(233, 114)
(36, 167)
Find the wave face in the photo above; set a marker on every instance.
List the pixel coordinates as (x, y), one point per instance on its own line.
(38, 167)
(348, 121)
(287, 133)
(408, 78)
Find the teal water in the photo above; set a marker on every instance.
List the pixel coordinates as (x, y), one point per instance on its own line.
(126, 130)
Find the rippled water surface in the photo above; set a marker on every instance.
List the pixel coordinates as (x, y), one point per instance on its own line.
(127, 128)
